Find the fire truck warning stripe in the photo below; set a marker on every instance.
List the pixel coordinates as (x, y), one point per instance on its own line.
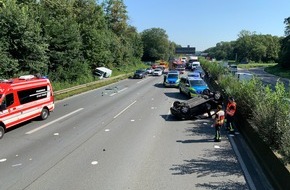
(54, 121)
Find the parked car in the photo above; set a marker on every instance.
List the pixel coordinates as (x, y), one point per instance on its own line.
(192, 86)
(241, 76)
(157, 72)
(199, 105)
(171, 79)
(139, 74)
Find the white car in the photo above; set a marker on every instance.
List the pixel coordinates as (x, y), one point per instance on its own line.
(243, 76)
(157, 72)
(233, 68)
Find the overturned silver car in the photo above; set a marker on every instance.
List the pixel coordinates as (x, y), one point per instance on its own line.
(197, 106)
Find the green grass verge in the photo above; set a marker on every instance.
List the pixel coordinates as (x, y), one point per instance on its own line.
(252, 65)
(91, 87)
(119, 73)
(279, 71)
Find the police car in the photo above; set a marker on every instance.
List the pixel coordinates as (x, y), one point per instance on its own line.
(192, 86)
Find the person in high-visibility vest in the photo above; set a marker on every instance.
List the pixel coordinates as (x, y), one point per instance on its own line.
(230, 112)
(219, 121)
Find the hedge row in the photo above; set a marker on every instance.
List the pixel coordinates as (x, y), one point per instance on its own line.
(266, 109)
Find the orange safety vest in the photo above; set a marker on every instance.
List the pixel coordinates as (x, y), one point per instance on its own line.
(231, 108)
(220, 117)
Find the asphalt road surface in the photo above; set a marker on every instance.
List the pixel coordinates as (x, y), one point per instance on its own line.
(122, 137)
(267, 78)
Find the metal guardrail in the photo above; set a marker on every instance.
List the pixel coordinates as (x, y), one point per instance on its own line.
(63, 91)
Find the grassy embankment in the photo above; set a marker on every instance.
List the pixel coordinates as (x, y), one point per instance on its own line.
(271, 68)
(117, 75)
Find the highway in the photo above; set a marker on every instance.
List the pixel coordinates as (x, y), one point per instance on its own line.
(266, 78)
(122, 136)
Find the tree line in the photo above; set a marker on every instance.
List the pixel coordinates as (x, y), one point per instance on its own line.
(66, 40)
(251, 46)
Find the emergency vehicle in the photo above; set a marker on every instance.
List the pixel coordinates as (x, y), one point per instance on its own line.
(23, 99)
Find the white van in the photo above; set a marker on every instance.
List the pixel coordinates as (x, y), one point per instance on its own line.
(243, 76)
(195, 64)
(103, 72)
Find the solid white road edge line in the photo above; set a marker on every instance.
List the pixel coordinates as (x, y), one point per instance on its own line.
(43, 126)
(125, 109)
(244, 168)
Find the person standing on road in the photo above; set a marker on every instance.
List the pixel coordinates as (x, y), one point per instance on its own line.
(230, 112)
(219, 121)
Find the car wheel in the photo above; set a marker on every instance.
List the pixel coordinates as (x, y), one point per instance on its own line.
(44, 114)
(206, 92)
(217, 96)
(176, 104)
(2, 131)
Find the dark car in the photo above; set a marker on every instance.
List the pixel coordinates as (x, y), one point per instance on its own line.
(197, 106)
(140, 73)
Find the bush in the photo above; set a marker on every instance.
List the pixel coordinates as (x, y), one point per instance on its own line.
(266, 109)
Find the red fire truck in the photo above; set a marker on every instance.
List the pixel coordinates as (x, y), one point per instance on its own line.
(23, 99)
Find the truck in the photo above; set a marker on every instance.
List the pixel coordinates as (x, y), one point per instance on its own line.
(24, 98)
(193, 58)
(103, 72)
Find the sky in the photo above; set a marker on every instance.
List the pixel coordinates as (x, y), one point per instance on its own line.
(204, 23)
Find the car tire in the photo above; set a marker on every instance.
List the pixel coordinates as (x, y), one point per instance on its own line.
(44, 114)
(2, 131)
(217, 96)
(176, 104)
(206, 92)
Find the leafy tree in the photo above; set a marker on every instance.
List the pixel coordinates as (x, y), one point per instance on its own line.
(284, 58)
(9, 66)
(287, 27)
(116, 15)
(172, 47)
(244, 46)
(94, 33)
(22, 40)
(248, 47)
(62, 30)
(135, 42)
(156, 44)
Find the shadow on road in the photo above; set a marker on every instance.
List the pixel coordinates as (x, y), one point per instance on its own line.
(215, 164)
